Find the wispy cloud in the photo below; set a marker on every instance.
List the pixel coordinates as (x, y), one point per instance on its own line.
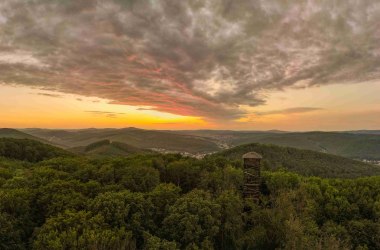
(296, 110)
(105, 113)
(50, 95)
(198, 58)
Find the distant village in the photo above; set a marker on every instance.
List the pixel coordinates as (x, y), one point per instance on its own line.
(196, 155)
(222, 145)
(376, 162)
(226, 146)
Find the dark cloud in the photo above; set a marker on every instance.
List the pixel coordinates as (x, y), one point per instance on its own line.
(200, 58)
(296, 110)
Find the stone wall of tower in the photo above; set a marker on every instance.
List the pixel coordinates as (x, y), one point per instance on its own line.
(252, 179)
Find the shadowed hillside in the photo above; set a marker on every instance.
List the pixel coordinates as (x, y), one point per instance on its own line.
(29, 150)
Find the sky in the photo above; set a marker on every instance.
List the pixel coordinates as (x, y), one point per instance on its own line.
(215, 64)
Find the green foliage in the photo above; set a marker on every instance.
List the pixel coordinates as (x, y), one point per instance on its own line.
(193, 220)
(221, 179)
(156, 201)
(184, 173)
(163, 197)
(364, 233)
(81, 230)
(231, 223)
(156, 243)
(10, 235)
(60, 195)
(140, 179)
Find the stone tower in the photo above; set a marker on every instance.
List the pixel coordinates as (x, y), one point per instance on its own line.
(252, 180)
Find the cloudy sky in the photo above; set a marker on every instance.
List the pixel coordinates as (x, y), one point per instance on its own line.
(238, 64)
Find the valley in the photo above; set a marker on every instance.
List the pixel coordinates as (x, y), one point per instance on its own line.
(361, 145)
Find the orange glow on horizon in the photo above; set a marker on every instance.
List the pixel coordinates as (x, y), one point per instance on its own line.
(25, 108)
(336, 108)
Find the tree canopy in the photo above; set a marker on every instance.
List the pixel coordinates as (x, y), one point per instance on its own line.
(155, 201)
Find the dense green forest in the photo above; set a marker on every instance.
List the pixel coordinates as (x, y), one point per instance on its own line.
(155, 201)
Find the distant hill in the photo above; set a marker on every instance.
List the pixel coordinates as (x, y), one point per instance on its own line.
(29, 150)
(139, 138)
(360, 146)
(357, 145)
(16, 134)
(369, 132)
(108, 148)
(305, 162)
(354, 144)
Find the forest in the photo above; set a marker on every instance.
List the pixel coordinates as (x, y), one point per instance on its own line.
(51, 199)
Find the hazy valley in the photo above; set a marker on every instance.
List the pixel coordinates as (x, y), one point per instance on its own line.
(362, 145)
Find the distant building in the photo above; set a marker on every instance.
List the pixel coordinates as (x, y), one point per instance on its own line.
(252, 178)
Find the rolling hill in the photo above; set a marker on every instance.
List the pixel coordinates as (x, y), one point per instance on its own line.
(368, 132)
(140, 138)
(108, 148)
(16, 134)
(351, 145)
(29, 150)
(305, 162)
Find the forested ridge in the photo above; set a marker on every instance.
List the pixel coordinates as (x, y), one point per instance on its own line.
(305, 162)
(155, 201)
(29, 150)
(108, 148)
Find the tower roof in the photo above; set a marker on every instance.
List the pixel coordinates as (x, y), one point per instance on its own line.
(252, 155)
